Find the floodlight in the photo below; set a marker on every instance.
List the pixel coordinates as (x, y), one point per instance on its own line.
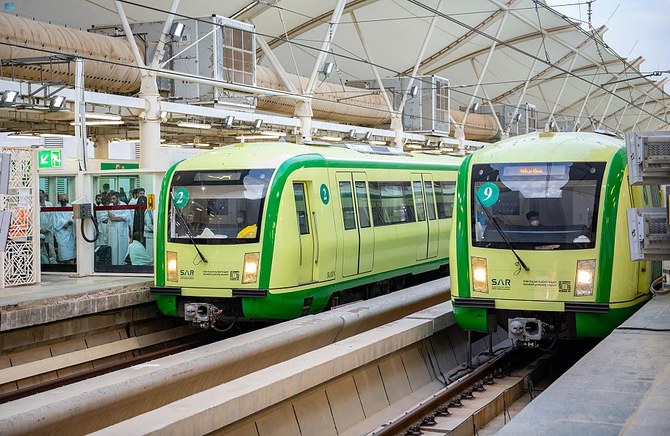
(176, 30)
(57, 102)
(257, 124)
(228, 122)
(517, 117)
(8, 98)
(352, 134)
(368, 136)
(327, 69)
(413, 91)
(474, 107)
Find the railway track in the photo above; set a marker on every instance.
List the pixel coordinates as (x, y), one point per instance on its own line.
(42, 366)
(468, 404)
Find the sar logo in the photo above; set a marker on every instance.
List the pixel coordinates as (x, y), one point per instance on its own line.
(501, 284)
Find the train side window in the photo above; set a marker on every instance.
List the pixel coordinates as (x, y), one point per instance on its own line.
(301, 208)
(362, 200)
(444, 193)
(418, 197)
(347, 206)
(392, 203)
(430, 199)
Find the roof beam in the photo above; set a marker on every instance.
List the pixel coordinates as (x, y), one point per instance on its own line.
(541, 74)
(512, 41)
(461, 40)
(316, 21)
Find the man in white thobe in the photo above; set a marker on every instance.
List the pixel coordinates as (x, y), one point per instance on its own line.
(119, 224)
(63, 225)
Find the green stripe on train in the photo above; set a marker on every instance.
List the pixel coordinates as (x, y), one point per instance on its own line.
(608, 232)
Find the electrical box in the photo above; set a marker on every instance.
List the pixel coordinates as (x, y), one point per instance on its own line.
(648, 233)
(82, 211)
(213, 47)
(648, 157)
(427, 106)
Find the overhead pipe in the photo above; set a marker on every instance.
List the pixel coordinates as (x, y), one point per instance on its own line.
(111, 66)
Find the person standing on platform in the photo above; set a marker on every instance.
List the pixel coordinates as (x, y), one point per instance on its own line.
(137, 252)
(46, 229)
(122, 196)
(119, 230)
(148, 229)
(63, 225)
(103, 219)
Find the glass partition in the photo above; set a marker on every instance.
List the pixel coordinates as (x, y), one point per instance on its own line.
(125, 241)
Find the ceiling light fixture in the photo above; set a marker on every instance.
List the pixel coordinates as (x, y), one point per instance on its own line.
(189, 125)
(97, 116)
(271, 133)
(101, 123)
(245, 137)
(257, 124)
(331, 138)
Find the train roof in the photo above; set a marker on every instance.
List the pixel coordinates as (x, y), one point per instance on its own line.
(273, 154)
(559, 146)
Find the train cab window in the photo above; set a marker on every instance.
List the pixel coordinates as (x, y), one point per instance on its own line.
(543, 206)
(430, 199)
(217, 207)
(362, 200)
(301, 208)
(418, 197)
(347, 206)
(444, 194)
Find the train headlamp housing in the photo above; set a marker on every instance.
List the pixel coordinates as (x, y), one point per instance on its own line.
(584, 277)
(172, 266)
(250, 270)
(479, 275)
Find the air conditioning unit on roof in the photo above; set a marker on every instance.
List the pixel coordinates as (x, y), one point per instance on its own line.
(648, 157)
(648, 233)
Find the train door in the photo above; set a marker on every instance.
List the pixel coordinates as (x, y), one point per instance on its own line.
(419, 204)
(433, 226)
(424, 200)
(305, 233)
(358, 236)
(365, 230)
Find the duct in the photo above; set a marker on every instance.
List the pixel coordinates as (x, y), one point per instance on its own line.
(112, 74)
(367, 110)
(116, 73)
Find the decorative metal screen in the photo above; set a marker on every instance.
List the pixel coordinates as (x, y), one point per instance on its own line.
(19, 260)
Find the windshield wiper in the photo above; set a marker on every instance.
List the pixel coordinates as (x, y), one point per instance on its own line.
(497, 226)
(188, 229)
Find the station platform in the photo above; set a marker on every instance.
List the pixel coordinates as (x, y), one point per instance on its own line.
(621, 387)
(61, 297)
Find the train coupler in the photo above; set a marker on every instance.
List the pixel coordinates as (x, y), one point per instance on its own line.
(526, 331)
(203, 315)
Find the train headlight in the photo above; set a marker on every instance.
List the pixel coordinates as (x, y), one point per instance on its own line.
(586, 270)
(479, 275)
(172, 266)
(250, 271)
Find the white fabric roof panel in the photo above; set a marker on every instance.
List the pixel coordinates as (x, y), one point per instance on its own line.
(395, 30)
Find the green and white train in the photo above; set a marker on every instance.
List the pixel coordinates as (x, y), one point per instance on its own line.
(542, 238)
(278, 230)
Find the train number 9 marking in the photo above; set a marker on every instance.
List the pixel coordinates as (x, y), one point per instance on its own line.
(488, 194)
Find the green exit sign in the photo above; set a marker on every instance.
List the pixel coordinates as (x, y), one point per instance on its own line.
(49, 158)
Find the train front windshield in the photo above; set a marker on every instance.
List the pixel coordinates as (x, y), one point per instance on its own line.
(217, 207)
(538, 206)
